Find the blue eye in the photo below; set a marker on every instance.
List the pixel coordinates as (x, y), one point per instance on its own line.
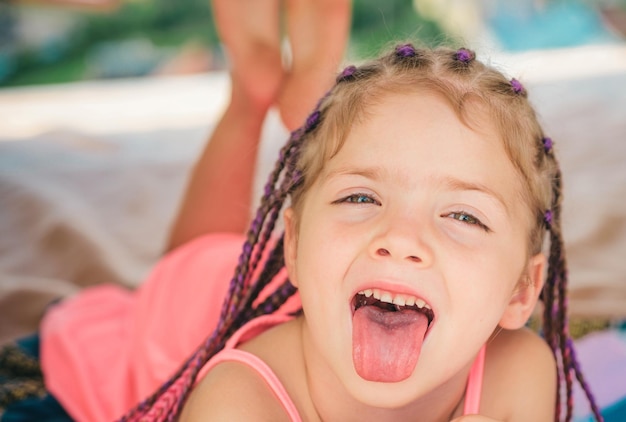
(359, 198)
(467, 219)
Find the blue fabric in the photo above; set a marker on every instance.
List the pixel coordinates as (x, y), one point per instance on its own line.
(32, 409)
(521, 25)
(613, 413)
(35, 409)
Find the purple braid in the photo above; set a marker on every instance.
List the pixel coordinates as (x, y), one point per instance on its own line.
(274, 301)
(274, 263)
(165, 404)
(583, 382)
(554, 296)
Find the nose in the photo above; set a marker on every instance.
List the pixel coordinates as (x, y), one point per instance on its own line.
(386, 252)
(404, 238)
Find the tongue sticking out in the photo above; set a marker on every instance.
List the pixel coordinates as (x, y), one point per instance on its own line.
(386, 344)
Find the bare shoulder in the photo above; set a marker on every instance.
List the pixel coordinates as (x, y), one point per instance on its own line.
(520, 378)
(232, 391)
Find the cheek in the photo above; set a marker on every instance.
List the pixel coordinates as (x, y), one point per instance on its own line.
(325, 255)
(319, 258)
(484, 281)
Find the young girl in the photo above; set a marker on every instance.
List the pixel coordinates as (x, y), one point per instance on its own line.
(417, 199)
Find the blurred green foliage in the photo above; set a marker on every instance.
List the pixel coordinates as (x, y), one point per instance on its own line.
(376, 24)
(168, 24)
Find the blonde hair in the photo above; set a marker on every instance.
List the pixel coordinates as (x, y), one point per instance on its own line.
(474, 91)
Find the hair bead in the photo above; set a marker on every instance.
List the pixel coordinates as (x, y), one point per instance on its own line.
(517, 86)
(547, 218)
(547, 144)
(405, 50)
(347, 74)
(464, 55)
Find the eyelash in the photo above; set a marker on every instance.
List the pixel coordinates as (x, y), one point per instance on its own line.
(355, 199)
(465, 216)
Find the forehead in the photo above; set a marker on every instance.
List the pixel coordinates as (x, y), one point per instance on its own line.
(424, 121)
(419, 136)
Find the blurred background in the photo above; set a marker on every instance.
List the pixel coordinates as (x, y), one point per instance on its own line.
(105, 105)
(66, 40)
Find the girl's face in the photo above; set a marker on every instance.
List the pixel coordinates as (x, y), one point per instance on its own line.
(419, 210)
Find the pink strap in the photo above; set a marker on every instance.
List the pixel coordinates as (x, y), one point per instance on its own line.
(231, 354)
(472, 393)
(475, 384)
(236, 355)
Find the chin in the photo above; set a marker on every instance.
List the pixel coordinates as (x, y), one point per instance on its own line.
(385, 395)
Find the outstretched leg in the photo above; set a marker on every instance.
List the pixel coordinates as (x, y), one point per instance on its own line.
(318, 32)
(220, 188)
(219, 191)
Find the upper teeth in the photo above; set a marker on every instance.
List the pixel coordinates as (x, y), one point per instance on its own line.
(395, 298)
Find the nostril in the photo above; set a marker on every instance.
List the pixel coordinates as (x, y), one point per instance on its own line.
(414, 258)
(383, 252)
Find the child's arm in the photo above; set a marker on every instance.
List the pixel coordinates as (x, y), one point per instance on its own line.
(232, 392)
(519, 379)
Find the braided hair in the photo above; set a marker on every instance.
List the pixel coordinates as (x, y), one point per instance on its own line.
(472, 89)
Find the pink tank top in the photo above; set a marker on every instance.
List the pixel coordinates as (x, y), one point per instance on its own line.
(108, 348)
(259, 325)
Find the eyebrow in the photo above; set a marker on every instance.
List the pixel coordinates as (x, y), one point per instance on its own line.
(374, 173)
(455, 184)
(447, 182)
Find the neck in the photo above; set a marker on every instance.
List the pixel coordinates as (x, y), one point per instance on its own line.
(331, 401)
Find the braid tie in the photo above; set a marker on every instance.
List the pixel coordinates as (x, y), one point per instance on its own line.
(347, 74)
(464, 56)
(547, 144)
(547, 219)
(517, 87)
(405, 50)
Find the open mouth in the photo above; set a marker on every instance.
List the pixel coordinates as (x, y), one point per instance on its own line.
(388, 330)
(390, 302)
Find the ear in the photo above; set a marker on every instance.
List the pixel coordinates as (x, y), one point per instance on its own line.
(291, 244)
(525, 295)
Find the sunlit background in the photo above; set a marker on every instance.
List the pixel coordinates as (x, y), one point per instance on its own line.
(62, 41)
(105, 104)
